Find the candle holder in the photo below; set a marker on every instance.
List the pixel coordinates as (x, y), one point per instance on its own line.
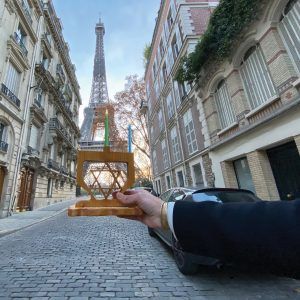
(100, 173)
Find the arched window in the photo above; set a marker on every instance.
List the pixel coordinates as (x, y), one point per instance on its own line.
(225, 111)
(256, 78)
(290, 29)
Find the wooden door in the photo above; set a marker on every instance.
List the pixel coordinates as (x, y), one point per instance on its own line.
(285, 164)
(25, 191)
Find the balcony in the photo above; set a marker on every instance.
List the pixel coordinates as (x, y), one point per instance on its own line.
(11, 96)
(66, 105)
(19, 41)
(32, 152)
(3, 146)
(27, 12)
(54, 124)
(52, 164)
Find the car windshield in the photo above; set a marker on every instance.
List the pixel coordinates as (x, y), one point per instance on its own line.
(225, 196)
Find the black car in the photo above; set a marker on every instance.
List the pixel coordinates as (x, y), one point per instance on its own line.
(188, 263)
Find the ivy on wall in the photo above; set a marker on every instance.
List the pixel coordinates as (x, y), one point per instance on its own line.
(226, 23)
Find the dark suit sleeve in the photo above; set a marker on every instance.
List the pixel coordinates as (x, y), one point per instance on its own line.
(265, 233)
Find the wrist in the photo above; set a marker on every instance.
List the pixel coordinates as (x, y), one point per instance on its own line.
(164, 216)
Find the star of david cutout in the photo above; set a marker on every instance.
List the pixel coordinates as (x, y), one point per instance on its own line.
(104, 178)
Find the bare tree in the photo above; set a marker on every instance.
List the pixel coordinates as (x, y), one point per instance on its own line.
(127, 111)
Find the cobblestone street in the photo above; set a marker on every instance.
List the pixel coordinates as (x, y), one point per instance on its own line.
(107, 257)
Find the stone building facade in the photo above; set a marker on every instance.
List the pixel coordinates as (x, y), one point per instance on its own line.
(39, 105)
(251, 104)
(177, 139)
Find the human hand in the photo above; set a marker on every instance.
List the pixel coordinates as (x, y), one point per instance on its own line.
(149, 204)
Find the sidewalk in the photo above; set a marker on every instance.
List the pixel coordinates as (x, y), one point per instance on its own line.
(20, 220)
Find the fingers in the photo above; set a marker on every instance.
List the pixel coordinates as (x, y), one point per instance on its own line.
(131, 199)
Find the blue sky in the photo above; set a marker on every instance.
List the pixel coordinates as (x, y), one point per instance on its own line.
(129, 26)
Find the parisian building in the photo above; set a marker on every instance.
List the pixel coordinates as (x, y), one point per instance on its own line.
(252, 107)
(39, 103)
(241, 121)
(177, 140)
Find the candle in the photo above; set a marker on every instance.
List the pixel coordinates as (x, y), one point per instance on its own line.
(106, 133)
(129, 138)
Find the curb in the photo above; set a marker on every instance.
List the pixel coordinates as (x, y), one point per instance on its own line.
(7, 232)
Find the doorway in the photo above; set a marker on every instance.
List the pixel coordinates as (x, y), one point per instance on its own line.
(25, 192)
(285, 164)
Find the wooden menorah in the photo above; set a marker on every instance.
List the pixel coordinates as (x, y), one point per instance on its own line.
(100, 173)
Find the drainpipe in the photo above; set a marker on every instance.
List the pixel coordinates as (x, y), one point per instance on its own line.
(23, 127)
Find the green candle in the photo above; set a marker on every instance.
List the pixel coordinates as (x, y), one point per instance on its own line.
(106, 133)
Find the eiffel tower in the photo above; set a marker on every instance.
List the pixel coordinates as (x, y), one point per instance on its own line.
(92, 129)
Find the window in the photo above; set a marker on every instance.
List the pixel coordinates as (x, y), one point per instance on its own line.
(190, 132)
(223, 103)
(168, 182)
(3, 137)
(176, 93)
(165, 154)
(162, 47)
(170, 106)
(165, 73)
(39, 98)
(3, 129)
(157, 92)
(290, 28)
(21, 38)
(182, 90)
(256, 78)
(180, 180)
(13, 78)
(198, 178)
(45, 61)
(175, 145)
(170, 19)
(155, 167)
(34, 134)
(158, 186)
(160, 120)
(175, 48)
(243, 174)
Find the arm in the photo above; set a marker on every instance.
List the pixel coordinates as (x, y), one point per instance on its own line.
(266, 233)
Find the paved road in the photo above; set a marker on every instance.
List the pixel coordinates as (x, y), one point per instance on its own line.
(111, 258)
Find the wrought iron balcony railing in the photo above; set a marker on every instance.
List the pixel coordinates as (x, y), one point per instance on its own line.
(55, 124)
(52, 164)
(19, 41)
(11, 96)
(3, 146)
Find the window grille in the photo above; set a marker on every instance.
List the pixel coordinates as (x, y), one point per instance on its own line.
(290, 30)
(256, 78)
(224, 107)
(175, 145)
(190, 132)
(165, 154)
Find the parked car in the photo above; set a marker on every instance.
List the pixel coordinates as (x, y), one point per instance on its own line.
(146, 188)
(188, 263)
